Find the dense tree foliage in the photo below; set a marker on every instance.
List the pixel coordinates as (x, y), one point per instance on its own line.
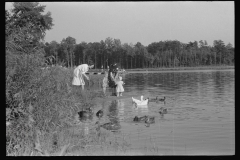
(24, 31)
(157, 54)
(26, 26)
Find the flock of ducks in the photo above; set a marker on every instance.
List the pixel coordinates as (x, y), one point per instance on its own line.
(88, 113)
(148, 119)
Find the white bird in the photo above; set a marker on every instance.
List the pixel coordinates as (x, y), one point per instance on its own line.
(140, 102)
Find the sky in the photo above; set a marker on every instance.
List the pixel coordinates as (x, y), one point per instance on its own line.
(144, 22)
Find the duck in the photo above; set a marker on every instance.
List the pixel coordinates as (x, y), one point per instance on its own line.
(153, 99)
(163, 110)
(140, 102)
(85, 114)
(150, 120)
(139, 119)
(162, 99)
(99, 114)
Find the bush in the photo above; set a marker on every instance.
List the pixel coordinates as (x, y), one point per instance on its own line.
(20, 70)
(40, 101)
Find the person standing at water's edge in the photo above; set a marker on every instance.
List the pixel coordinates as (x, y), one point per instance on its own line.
(119, 88)
(79, 72)
(112, 74)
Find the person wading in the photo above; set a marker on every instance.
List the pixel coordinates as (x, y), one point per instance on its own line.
(112, 75)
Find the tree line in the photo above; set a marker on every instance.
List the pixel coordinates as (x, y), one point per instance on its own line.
(157, 54)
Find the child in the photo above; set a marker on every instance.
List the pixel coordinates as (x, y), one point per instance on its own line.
(119, 88)
(105, 82)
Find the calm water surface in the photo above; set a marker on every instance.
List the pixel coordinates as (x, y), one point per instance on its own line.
(200, 118)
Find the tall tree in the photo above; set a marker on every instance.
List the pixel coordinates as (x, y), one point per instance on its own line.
(28, 14)
(71, 42)
(53, 50)
(109, 49)
(219, 48)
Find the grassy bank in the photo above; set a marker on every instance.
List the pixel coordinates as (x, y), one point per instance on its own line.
(41, 112)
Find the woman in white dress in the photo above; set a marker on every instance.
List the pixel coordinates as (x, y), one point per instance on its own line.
(78, 74)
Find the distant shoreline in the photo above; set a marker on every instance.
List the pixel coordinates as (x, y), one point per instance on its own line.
(172, 69)
(182, 68)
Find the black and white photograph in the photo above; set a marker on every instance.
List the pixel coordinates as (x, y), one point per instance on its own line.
(124, 78)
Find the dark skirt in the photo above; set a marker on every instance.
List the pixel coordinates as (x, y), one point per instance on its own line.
(113, 70)
(111, 83)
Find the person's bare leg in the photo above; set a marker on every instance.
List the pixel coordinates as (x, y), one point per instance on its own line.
(82, 87)
(113, 91)
(104, 90)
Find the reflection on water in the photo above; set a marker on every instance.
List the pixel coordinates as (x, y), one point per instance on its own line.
(120, 106)
(200, 118)
(113, 112)
(141, 110)
(86, 129)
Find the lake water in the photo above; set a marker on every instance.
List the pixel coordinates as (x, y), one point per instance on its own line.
(200, 118)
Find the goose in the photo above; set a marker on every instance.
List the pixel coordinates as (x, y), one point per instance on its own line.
(140, 102)
(136, 100)
(99, 114)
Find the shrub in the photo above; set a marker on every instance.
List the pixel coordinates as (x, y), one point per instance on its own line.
(40, 101)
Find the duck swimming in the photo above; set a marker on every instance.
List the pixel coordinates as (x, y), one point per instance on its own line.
(150, 120)
(99, 114)
(153, 99)
(162, 99)
(140, 119)
(85, 114)
(163, 110)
